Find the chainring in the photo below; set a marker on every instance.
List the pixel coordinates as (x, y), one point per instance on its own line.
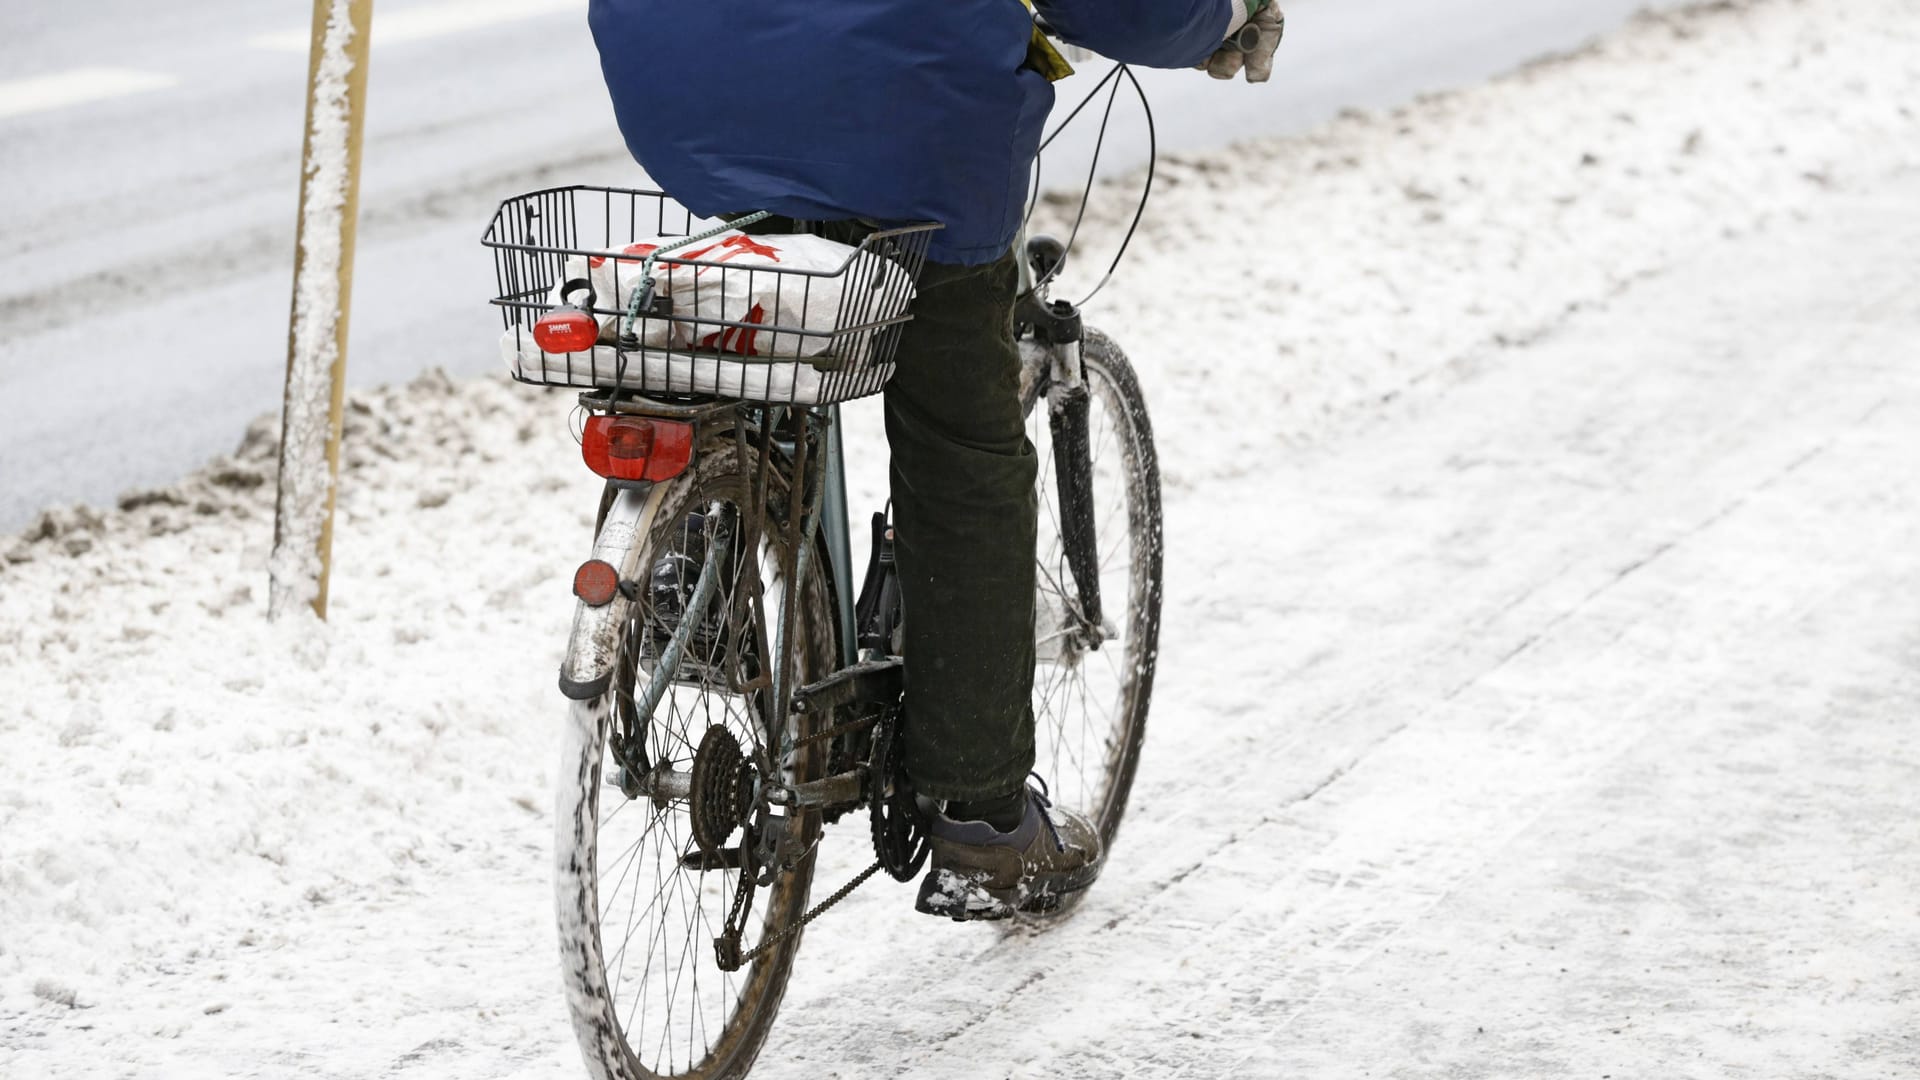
(720, 790)
(899, 829)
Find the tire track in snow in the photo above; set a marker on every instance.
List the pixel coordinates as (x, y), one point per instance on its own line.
(1316, 889)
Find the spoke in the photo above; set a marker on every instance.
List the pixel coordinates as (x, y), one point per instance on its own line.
(1055, 683)
(707, 935)
(615, 812)
(680, 975)
(674, 995)
(636, 863)
(672, 988)
(655, 928)
(629, 859)
(1123, 537)
(1080, 705)
(620, 971)
(654, 903)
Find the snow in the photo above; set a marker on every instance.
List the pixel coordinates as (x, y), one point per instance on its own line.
(1535, 695)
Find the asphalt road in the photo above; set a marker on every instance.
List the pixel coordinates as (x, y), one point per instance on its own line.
(149, 174)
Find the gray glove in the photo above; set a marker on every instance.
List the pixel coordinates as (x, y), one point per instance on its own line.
(1251, 44)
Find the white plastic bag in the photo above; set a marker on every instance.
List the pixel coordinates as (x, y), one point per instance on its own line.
(613, 276)
(735, 291)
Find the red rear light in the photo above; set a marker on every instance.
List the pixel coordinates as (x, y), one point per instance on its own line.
(635, 448)
(566, 330)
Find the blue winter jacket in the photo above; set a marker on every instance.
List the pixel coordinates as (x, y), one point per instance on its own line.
(888, 110)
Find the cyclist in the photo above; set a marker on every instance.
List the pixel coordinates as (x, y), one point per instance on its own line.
(854, 113)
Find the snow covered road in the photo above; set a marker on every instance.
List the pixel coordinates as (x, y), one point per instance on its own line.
(1568, 729)
(1537, 695)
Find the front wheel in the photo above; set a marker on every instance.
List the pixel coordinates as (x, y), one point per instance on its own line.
(1099, 521)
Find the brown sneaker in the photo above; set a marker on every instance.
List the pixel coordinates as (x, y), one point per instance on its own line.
(979, 872)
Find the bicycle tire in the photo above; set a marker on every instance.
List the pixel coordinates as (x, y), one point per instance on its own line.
(1111, 713)
(623, 1041)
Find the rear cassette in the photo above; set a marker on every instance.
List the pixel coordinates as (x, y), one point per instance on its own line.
(721, 794)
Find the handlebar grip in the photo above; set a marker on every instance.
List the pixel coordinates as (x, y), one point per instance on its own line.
(1246, 39)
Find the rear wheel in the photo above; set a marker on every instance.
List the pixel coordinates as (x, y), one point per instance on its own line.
(648, 874)
(1094, 678)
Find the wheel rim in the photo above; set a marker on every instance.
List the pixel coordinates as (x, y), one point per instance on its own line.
(659, 906)
(1089, 703)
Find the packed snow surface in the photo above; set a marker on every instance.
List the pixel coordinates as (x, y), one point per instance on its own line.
(1536, 692)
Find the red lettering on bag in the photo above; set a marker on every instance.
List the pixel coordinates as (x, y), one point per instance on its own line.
(642, 250)
(741, 244)
(737, 339)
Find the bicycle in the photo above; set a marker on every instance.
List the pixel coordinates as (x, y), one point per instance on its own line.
(732, 699)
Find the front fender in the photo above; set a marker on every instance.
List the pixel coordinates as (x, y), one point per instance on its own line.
(595, 641)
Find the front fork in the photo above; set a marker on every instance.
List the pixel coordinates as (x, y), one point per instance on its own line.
(1052, 362)
(1067, 410)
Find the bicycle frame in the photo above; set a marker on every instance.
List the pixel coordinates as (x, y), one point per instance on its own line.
(1050, 366)
(822, 732)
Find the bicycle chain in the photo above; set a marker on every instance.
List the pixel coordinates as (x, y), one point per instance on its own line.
(836, 730)
(785, 932)
(727, 946)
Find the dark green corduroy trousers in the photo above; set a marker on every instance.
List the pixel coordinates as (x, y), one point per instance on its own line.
(964, 522)
(964, 527)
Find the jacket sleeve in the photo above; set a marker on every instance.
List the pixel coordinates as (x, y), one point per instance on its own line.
(1152, 33)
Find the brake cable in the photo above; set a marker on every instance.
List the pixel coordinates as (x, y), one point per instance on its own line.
(1086, 194)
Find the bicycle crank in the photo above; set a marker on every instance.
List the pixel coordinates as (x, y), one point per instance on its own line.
(899, 828)
(900, 843)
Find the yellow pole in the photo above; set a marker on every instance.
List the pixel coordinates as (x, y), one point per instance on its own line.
(301, 565)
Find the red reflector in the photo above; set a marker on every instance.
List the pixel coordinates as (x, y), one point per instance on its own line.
(595, 582)
(635, 448)
(566, 330)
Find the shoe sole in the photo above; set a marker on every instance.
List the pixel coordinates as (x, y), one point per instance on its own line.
(982, 904)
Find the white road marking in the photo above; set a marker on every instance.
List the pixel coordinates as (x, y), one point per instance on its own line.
(434, 20)
(76, 87)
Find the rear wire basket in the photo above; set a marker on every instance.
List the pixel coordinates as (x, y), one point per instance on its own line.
(852, 342)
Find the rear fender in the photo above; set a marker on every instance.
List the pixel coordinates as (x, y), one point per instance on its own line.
(594, 643)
